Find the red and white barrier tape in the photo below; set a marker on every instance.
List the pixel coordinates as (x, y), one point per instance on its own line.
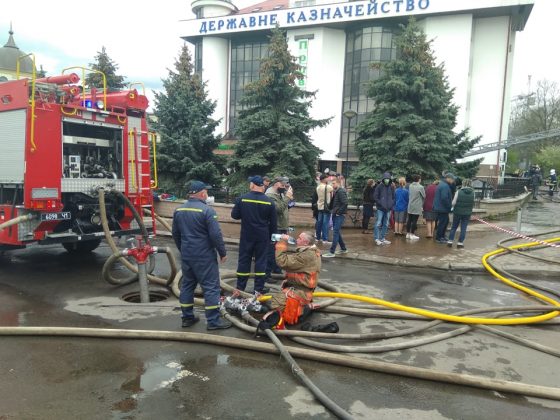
(516, 234)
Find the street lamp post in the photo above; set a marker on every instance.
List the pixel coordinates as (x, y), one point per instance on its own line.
(349, 113)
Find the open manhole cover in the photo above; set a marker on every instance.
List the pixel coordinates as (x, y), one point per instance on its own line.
(155, 296)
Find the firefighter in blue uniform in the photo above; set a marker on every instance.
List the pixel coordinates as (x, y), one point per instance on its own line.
(258, 222)
(197, 234)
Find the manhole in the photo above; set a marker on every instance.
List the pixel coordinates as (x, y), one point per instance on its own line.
(155, 296)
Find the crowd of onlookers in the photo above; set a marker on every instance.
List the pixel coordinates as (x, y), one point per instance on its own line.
(395, 202)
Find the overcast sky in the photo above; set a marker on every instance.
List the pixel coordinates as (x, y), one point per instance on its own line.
(143, 37)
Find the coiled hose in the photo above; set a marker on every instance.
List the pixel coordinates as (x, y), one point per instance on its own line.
(465, 319)
(106, 272)
(416, 314)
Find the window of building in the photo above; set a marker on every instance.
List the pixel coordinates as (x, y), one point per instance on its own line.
(364, 47)
(303, 3)
(246, 56)
(198, 57)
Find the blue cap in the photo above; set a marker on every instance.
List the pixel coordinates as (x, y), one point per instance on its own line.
(257, 180)
(197, 186)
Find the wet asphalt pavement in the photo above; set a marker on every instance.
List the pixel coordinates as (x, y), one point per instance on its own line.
(66, 378)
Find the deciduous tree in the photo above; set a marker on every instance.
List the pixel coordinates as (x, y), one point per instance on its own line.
(535, 112)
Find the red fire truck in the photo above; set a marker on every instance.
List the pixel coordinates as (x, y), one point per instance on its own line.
(59, 143)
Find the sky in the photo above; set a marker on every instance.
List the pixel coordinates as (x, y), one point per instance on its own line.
(143, 37)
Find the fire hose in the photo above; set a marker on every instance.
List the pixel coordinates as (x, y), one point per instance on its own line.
(17, 220)
(418, 314)
(117, 256)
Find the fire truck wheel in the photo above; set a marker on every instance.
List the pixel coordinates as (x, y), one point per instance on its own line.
(81, 247)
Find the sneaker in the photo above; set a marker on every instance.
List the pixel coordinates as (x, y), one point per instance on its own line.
(222, 324)
(386, 242)
(329, 255)
(189, 322)
(408, 236)
(341, 251)
(460, 245)
(450, 244)
(378, 242)
(326, 242)
(441, 241)
(413, 237)
(264, 291)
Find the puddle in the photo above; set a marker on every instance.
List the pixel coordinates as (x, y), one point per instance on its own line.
(303, 402)
(157, 376)
(154, 376)
(115, 309)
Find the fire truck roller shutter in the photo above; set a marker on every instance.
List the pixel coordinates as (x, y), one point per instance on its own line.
(12, 146)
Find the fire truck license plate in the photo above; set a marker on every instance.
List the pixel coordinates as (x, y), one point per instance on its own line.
(55, 217)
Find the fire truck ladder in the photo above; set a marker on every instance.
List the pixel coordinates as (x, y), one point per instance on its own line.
(141, 177)
(490, 147)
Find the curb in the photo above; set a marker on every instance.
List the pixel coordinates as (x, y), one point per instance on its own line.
(441, 266)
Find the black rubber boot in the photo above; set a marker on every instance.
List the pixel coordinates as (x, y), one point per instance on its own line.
(221, 324)
(189, 322)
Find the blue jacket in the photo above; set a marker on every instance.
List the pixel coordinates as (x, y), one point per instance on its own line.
(196, 231)
(384, 195)
(443, 198)
(257, 214)
(401, 199)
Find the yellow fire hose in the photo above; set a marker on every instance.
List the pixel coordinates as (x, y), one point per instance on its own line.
(466, 319)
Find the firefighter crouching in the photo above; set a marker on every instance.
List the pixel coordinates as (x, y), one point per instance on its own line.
(198, 236)
(302, 267)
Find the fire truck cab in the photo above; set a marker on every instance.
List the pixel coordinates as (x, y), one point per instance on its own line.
(59, 143)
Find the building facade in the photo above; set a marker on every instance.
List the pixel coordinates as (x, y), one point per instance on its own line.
(9, 56)
(336, 44)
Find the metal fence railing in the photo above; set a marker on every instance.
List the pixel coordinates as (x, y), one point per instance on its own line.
(492, 188)
(485, 187)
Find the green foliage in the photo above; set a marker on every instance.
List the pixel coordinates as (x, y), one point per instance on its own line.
(533, 113)
(410, 130)
(548, 158)
(103, 63)
(273, 128)
(513, 161)
(184, 122)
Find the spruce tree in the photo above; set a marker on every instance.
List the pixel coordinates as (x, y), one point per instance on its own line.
(273, 128)
(184, 122)
(106, 65)
(410, 131)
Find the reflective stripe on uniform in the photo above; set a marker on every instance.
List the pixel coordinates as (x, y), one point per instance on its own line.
(244, 274)
(186, 305)
(246, 200)
(208, 308)
(190, 209)
(260, 274)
